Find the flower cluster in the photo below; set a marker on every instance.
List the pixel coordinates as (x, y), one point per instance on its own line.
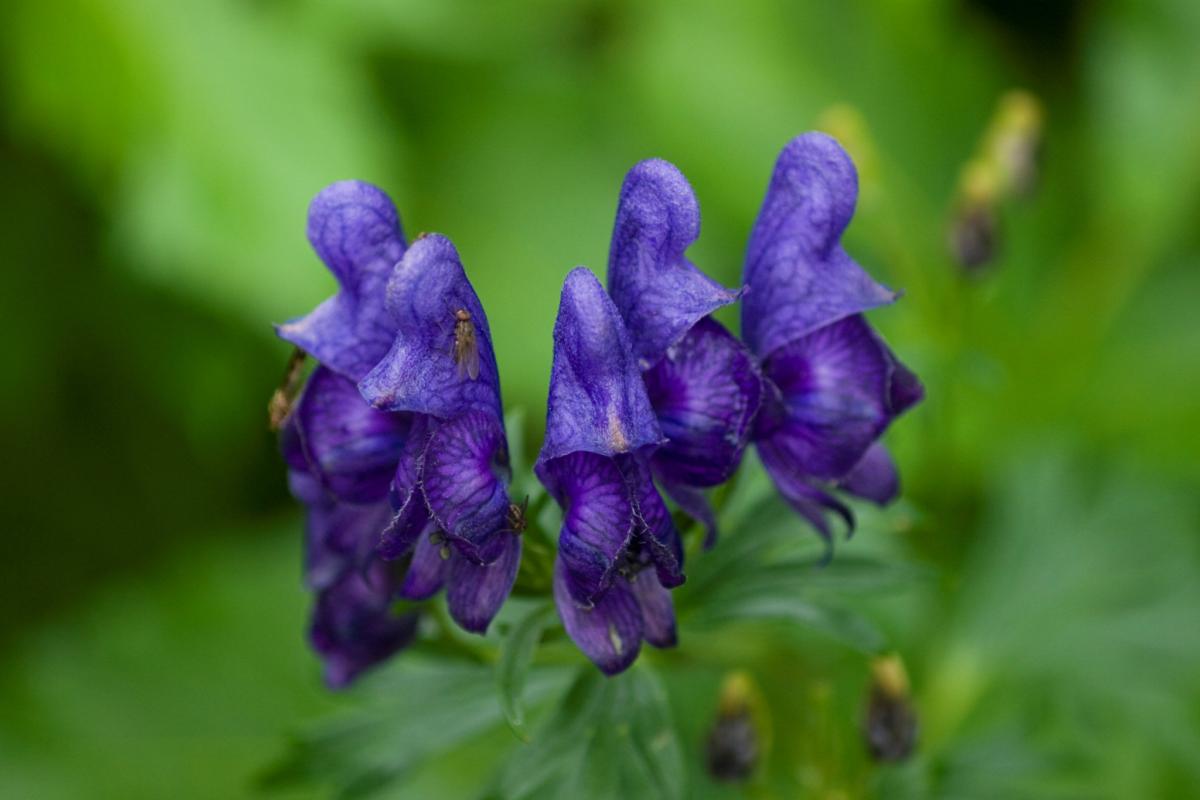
(397, 444)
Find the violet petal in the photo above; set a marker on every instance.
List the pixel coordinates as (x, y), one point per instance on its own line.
(474, 593)
(352, 626)
(609, 632)
(833, 384)
(465, 476)
(597, 400)
(874, 477)
(659, 293)
(658, 612)
(598, 522)
(427, 570)
(356, 231)
(421, 373)
(798, 278)
(350, 446)
(705, 392)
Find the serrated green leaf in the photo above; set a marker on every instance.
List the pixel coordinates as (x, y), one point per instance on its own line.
(612, 737)
(653, 741)
(560, 742)
(516, 654)
(413, 710)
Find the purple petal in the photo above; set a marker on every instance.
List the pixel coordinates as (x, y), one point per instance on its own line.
(421, 373)
(475, 593)
(906, 389)
(355, 230)
(465, 477)
(874, 477)
(598, 522)
(695, 504)
(659, 293)
(412, 512)
(655, 528)
(705, 392)
(833, 398)
(801, 493)
(339, 536)
(597, 401)
(350, 446)
(609, 632)
(352, 625)
(427, 570)
(798, 278)
(658, 613)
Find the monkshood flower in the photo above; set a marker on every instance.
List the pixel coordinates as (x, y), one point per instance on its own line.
(703, 384)
(450, 485)
(618, 551)
(341, 453)
(831, 385)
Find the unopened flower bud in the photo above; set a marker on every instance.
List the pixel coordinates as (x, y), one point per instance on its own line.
(735, 743)
(890, 726)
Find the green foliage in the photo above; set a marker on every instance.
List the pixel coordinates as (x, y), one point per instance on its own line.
(1039, 576)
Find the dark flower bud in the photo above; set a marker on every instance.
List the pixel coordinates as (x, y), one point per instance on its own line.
(735, 745)
(973, 235)
(890, 726)
(1014, 141)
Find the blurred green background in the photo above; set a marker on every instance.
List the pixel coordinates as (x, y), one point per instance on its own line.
(157, 160)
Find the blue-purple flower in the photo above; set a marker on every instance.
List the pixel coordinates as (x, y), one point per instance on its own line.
(703, 384)
(449, 490)
(618, 551)
(831, 385)
(421, 473)
(341, 453)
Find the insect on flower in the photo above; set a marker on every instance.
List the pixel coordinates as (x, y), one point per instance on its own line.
(466, 347)
(284, 397)
(517, 520)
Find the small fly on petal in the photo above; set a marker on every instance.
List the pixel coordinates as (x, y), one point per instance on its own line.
(517, 520)
(284, 397)
(466, 346)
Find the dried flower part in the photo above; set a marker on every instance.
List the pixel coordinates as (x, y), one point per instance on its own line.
(284, 397)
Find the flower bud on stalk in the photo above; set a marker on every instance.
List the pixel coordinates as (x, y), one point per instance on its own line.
(736, 742)
(890, 726)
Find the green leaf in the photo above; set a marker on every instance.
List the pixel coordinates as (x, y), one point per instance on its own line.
(611, 737)
(413, 710)
(558, 744)
(516, 654)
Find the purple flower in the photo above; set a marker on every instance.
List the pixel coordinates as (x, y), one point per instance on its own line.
(352, 626)
(831, 385)
(703, 384)
(341, 453)
(450, 486)
(618, 550)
